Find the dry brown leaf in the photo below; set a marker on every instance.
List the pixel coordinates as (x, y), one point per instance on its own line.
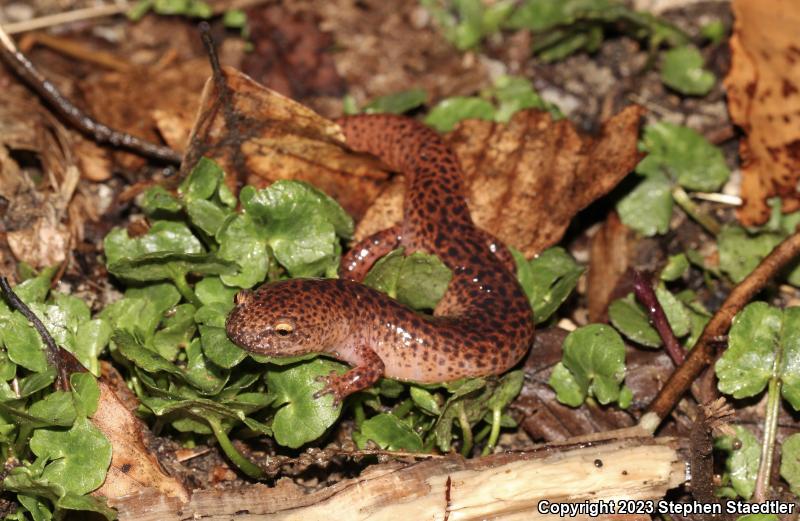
(763, 87)
(174, 126)
(93, 160)
(33, 218)
(134, 468)
(44, 243)
(271, 137)
(526, 179)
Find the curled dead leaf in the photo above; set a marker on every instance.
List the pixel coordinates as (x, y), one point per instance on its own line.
(93, 160)
(763, 87)
(134, 469)
(526, 179)
(174, 126)
(259, 136)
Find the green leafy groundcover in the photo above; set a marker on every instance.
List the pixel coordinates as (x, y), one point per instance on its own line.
(167, 332)
(561, 28)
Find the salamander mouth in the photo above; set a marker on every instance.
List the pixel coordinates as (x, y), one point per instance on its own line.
(235, 330)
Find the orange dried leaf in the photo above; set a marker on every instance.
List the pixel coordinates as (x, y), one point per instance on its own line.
(763, 87)
(526, 179)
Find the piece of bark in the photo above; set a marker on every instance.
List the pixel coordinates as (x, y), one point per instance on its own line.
(763, 86)
(527, 178)
(503, 487)
(609, 260)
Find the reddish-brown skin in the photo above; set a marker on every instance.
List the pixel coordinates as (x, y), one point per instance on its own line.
(482, 326)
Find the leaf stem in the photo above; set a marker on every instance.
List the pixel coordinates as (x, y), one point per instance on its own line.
(185, 290)
(466, 429)
(647, 297)
(761, 491)
(494, 434)
(695, 212)
(23, 435)
(244, 464)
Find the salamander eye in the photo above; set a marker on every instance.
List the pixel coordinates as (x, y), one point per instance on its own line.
(284, 328)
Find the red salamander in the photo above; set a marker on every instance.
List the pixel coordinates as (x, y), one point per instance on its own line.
(482, 326)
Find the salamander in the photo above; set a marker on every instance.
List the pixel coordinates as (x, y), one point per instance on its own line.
(482, 326)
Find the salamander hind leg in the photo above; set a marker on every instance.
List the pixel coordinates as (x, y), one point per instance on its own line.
(368, 369)
(357, 262)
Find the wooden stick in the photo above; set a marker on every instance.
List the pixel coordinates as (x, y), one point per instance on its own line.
(66, 17)
(75, 116)
(501, 487)
(702, 354)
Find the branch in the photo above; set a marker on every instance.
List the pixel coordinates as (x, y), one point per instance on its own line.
(74, 115)
(52, 350)
(703, 353)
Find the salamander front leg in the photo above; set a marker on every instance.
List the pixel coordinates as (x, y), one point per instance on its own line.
(356, 263)
(368, 370)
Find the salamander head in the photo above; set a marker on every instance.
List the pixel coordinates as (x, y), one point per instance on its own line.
(289, 318)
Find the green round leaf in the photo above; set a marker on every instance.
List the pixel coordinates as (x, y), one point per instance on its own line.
(744, 369)
(79, 456)
(388, 432)
(301, 417)
(444, 116)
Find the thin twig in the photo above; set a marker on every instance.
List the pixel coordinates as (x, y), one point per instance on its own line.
(73, 49)
(65, 17)
(643, 290)
(75, 116)
(232, 118)
(703, 353)
(52, 350)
